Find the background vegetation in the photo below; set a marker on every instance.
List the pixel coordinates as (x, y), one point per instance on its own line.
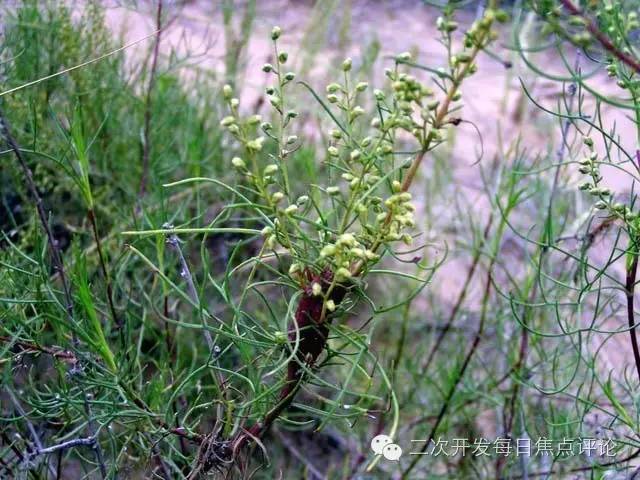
(146, 315)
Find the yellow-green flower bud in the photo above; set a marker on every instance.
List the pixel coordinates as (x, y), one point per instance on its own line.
(343, 274)
(238, 163)
(371, 255)
(294, 268)
(328, 251)
(291, 209)
(404, 57)
(271, 169)
(226, 121)
(347, 239)
(255, 145)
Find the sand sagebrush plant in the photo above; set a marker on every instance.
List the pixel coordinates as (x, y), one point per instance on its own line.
(167, 359)
(331, 237)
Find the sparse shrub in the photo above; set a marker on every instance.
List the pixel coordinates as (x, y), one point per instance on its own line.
(194, 286)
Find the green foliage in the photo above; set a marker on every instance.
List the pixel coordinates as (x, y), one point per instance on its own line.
(296, 280)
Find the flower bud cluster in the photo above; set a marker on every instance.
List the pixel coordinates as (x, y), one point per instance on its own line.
(364, 215)
(346, 98)
(245, 130)
(481, 33)
(398, 217)
(345, 252)
(588, 166)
